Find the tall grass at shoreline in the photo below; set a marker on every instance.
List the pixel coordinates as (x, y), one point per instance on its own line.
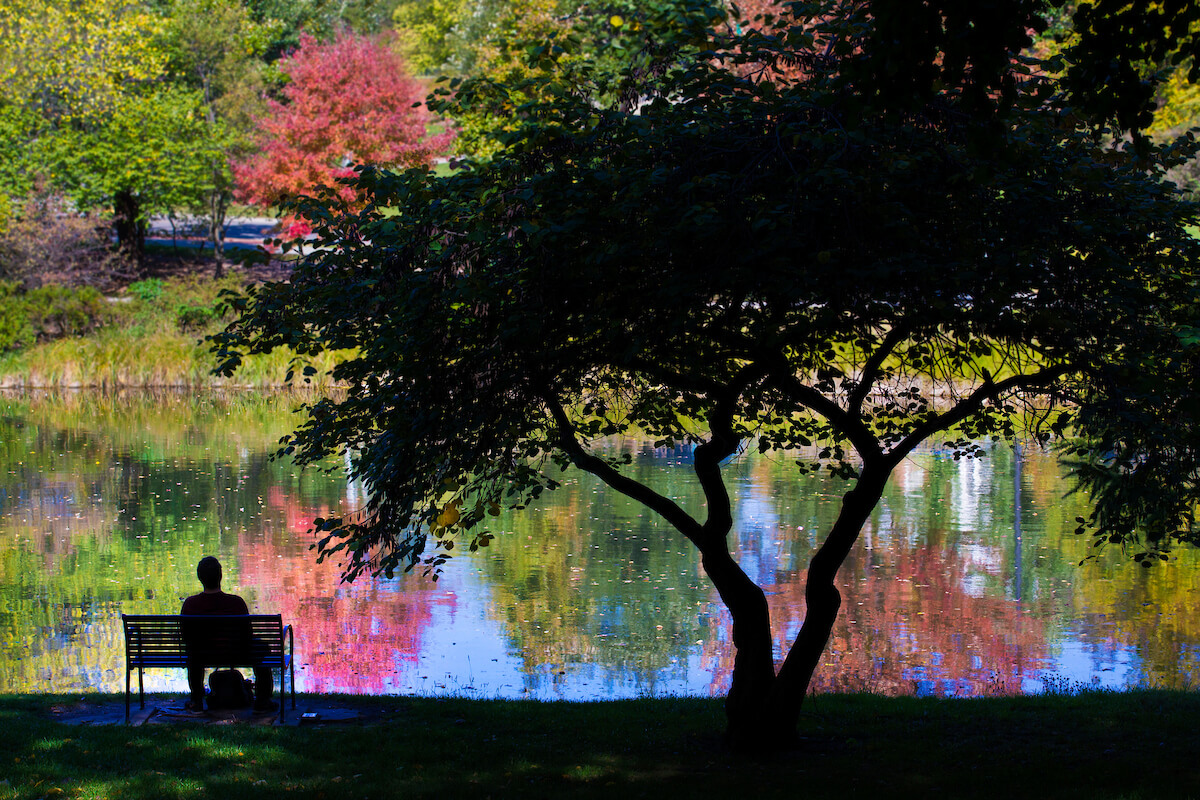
(1096, 745)
(152, 336)
(114, 359)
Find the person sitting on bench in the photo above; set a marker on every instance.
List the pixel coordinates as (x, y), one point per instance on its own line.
(213, 601)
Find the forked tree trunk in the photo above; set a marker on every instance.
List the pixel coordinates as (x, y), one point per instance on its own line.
(822, 598)
(763, 708)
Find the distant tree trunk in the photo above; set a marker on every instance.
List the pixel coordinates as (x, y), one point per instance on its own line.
(218, 207)
(130, 228)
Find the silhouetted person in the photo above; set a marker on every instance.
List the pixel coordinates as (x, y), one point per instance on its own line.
(213, 601)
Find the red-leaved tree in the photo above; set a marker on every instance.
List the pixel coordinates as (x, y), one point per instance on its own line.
(347, 102)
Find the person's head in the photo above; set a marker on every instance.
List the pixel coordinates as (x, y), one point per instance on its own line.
(209, 572)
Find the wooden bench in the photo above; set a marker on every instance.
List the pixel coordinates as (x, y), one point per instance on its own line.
(219, 641)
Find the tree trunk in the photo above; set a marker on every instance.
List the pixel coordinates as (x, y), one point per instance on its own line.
(747, 706)
(762, 708)
(218, 204)
(130, 228)
(822, 598)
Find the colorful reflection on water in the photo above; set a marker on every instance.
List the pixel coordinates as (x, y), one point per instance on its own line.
(965, 582)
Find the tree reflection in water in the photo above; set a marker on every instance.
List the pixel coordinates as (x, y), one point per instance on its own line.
(107, 503)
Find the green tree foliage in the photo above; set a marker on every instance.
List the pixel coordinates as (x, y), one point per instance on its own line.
(214, 47)
(114, 104)
(152, 151)
(321, 19)
(71, 61)
(18, 127)
(499, 39)
(504, 42)
(64, 65)
(1130, 64)
(1123, 53)
(427, 33)
(813, 257)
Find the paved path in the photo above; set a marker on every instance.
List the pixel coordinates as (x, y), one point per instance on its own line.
(241, 233)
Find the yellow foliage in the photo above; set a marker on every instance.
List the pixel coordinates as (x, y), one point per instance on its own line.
(74, 58)
(503, 57)
(424, 28)
(1179, 106)
(1178, 100)
(6, 214)
(449, 515)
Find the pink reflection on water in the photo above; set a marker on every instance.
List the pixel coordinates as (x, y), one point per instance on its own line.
(358, 638)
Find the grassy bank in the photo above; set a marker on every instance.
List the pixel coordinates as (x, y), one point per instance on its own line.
(148, 334)
(1095, 745)
(151, 334)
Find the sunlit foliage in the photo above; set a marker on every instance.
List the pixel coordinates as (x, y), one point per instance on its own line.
(347, 102)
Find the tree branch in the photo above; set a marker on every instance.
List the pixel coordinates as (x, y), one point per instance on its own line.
(851, 425)
(674, 378)
(722, 443)
(665, 507)
(972, 404)
(870, 370)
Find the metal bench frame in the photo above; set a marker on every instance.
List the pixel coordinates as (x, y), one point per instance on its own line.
(156, 641)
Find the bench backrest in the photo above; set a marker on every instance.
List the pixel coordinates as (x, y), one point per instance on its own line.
(211, 640)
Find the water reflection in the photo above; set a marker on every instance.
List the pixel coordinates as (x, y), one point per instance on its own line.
(965, 580)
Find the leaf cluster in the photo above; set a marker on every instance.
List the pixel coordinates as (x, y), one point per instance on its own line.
(1123, 53)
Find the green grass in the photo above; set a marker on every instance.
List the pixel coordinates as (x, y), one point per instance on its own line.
(1139, 744)
(152, 337)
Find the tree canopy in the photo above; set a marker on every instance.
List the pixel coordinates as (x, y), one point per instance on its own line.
(131, 108)
(767, 244)
(72, 60)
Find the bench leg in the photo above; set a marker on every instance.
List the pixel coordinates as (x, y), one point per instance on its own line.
(141, 690)
(127, 695)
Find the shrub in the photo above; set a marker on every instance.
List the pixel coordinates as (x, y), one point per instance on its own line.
(50, 312)
(58, 311)
(15, 330)
(175, 305)
(148, 290)
(192, 318)
(45, 241)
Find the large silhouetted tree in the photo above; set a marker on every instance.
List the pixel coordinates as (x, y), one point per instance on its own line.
(826, 260)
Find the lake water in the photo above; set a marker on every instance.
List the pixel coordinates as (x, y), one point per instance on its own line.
(966, 581)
